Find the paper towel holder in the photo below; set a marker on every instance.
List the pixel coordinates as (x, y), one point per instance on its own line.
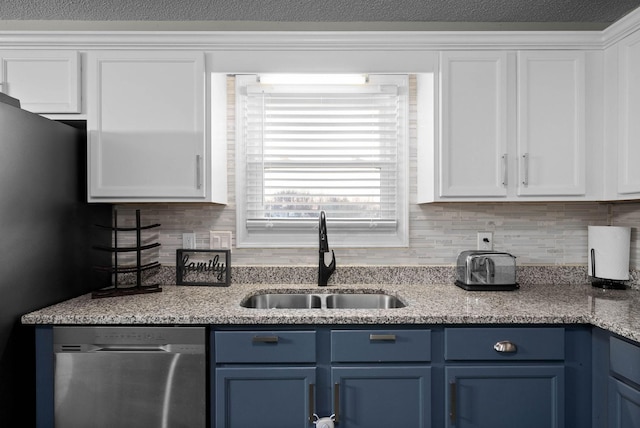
(614, 284)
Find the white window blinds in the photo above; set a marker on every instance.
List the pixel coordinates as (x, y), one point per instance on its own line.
(319, 147)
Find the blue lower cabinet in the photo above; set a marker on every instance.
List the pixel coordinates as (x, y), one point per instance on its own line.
(505, 396)
(382, 397)
(277, 397)
(624, 395)
(624, 405)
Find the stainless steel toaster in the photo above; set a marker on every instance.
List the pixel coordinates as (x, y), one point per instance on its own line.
(486, 270)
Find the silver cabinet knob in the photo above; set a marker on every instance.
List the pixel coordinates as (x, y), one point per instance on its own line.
(505, 346)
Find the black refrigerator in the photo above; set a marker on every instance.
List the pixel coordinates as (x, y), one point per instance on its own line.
(46, 234)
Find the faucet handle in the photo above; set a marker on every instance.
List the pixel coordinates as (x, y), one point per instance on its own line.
(322, 233)
(332, 264)
(324, 270)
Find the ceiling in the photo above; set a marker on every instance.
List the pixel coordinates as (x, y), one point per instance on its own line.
(409, 14)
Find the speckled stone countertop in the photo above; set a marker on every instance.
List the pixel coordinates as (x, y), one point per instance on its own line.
(613, 310)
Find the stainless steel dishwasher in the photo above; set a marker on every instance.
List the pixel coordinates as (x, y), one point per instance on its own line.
(129, 377)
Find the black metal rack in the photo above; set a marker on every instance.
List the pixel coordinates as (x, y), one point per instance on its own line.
(116, 288)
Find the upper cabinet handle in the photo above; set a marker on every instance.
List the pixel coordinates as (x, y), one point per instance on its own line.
(506, 347)
(199, 171)
(504, 169)
(525, 167)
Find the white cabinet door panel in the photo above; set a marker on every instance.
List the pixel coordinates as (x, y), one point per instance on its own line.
(146, 126)
(629, 119)
(473, 132)
(551, 123)
(43, 81)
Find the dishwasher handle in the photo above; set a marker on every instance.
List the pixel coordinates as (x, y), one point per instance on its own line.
(132, 348)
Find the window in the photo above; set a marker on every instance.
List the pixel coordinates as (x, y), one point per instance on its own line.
(306, 147)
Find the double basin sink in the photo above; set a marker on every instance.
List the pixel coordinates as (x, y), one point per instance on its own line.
(311, 300)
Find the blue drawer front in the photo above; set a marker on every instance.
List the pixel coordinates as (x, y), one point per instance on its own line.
(265, 346)
(380, 345)
(624, 358)
(478, 343)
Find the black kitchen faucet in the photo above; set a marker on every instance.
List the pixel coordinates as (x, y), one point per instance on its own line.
(324, 271)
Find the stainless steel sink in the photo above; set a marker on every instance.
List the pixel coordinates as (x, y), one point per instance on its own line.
(283, 301)
(363, 301)
(327, 301)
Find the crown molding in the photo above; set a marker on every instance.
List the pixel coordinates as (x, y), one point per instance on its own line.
(296, 40)
(412, 40)
(621, 28)
(248, 25)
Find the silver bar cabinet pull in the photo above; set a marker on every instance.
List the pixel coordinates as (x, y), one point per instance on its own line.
(504, 169)
(312, 402)
(199, 171)
(336, 401)
(525, 167)
(452, 402)
(382, 337)
(265, 339)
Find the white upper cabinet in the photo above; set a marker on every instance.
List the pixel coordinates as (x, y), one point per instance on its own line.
(473, 126)
(629, 117)
(511, 127)
(147, 128)
(45, 81)
(551, 123)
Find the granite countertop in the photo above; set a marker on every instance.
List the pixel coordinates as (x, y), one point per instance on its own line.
(615, 310)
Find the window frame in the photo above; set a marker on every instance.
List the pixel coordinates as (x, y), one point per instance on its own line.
(340, 233)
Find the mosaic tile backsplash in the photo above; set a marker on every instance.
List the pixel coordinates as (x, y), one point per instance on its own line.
(537, 234)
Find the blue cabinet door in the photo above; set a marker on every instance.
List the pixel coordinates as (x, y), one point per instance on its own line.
(624, 405)
(265, 397)
(505, 397)
(382, 397)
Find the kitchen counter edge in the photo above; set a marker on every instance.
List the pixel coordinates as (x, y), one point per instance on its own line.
(617, 311)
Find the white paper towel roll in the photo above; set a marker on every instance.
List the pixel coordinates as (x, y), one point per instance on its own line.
(611, 245)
